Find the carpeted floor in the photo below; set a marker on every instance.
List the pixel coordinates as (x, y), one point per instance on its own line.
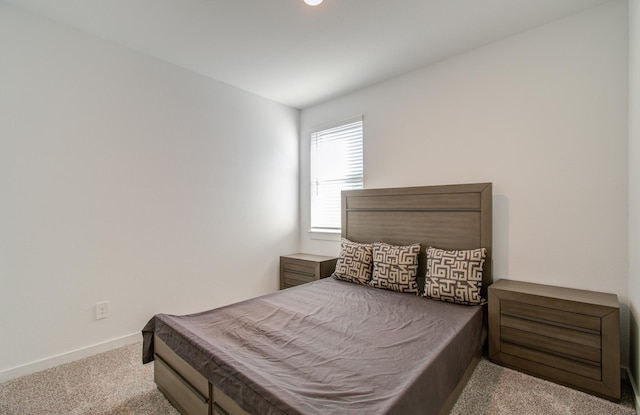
(493, 389)
(116, 383)
(111, 383)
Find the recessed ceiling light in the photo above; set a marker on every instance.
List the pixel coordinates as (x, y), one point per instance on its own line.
(313, 2)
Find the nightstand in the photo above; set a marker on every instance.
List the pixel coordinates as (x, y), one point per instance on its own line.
(567, 336)
(296, 269)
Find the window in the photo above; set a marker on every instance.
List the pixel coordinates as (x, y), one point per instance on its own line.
(336, 165)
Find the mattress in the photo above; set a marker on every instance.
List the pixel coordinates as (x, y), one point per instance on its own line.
(329, 347)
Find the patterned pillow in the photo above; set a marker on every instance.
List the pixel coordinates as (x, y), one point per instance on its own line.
(395, 267)
(455, 276)
(354, 263)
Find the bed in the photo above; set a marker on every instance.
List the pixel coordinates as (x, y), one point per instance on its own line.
(338, 347)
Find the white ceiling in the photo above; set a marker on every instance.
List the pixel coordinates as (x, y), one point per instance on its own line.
(300, 55)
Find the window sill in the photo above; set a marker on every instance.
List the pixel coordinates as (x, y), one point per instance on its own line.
(325, 234)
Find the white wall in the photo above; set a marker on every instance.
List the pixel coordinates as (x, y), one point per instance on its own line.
(542, 115)
(634, 193)
(126, 179)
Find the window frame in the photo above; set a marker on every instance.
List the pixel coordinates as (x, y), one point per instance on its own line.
(315, 183)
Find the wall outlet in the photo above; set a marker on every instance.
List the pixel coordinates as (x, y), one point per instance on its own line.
(102, 310)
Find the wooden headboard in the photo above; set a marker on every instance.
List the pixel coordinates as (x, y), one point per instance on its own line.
(447, 217)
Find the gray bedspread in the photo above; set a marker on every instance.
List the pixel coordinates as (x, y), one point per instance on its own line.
(330, 347)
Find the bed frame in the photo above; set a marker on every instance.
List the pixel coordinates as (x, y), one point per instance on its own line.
(448, 217)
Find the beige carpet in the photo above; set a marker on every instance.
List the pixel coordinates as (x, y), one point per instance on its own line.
(493, 389)
(116, 383)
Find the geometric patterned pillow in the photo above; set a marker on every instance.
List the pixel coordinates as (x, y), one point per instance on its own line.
(395, 268)
(455, 276)
(354, 263)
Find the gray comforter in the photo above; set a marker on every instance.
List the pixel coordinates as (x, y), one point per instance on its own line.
(329, 347)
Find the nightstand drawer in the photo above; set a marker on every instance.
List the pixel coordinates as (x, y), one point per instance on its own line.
(551, 331)
(297, 269)
(291, 278)
(560, 347)
(564, 335)
(570, 365)
(550, 315)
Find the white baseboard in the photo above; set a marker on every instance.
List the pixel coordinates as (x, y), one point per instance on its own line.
(60, 359)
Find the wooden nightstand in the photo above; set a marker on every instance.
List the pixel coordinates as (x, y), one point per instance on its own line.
(296, 269)
(563, 335)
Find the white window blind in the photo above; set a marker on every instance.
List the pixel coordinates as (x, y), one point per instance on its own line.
(336, 165)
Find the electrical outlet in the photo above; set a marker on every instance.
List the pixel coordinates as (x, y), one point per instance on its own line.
(102, 310)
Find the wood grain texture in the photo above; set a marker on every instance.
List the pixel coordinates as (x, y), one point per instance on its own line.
(564, 335)
(187, 389)
(447, 217)
(301, 268)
